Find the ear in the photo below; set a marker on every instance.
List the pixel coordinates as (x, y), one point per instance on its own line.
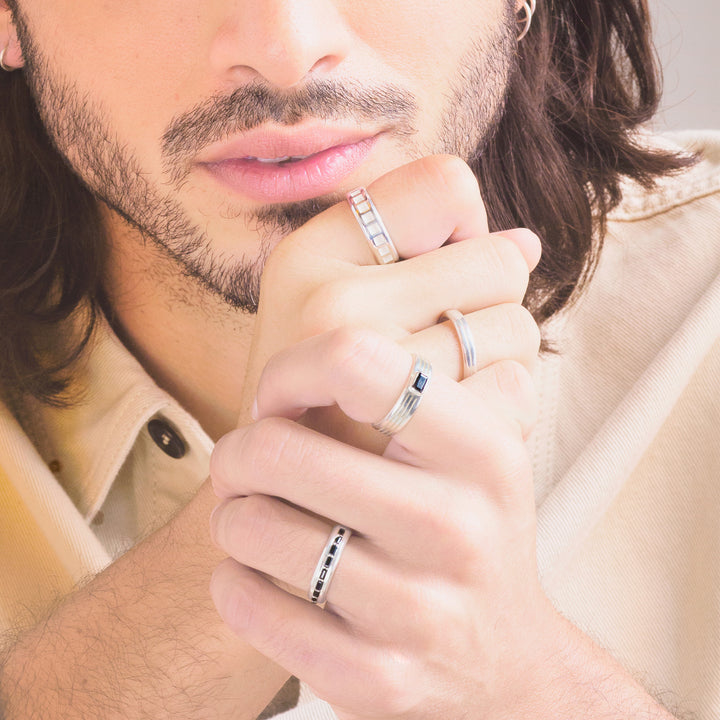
(13, 57)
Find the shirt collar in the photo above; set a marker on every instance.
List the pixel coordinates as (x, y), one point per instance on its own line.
(87, 443)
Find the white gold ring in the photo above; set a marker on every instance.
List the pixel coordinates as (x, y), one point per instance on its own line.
(372, 225)
(328, 564)
(409, 399)
(467, 343)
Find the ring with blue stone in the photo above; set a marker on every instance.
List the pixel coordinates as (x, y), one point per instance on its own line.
(406, 405)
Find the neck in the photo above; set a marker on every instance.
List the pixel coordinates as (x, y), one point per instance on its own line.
(193, 345)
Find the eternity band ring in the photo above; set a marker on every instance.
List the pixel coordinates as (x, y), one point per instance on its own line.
(368, 217)
(407, 404)
(328, 564)
(467, 343)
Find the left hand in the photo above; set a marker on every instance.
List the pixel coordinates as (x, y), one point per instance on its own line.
(435, 609)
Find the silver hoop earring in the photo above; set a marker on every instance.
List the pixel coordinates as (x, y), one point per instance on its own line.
(2, 61)
(529, 10)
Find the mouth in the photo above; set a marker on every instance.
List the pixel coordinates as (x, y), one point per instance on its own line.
(272, 167)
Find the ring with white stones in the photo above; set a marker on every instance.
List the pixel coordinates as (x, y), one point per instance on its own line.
(328, 564)
(406, 405)
(372, 225)
(467, 344)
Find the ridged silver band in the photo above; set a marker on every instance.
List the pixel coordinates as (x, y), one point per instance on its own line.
(467, 342)
(328, 564)
(372, 225)
(409, 399)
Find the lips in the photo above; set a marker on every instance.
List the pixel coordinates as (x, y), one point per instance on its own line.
(278, 167)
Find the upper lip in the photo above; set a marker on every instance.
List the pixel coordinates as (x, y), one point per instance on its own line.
(274, 142)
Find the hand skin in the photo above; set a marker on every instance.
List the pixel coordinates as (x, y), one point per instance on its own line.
(143, 638)
(435, 609)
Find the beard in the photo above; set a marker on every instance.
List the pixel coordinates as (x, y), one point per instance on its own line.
(79, 129)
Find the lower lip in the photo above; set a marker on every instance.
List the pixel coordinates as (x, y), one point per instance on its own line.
(316, 175)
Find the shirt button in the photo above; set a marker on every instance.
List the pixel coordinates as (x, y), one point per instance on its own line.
(167, 438)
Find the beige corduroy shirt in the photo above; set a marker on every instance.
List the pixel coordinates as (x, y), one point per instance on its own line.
(626, 454)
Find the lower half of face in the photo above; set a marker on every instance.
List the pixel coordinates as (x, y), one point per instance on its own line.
(225, 131)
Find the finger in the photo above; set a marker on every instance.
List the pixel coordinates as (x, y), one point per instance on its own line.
(364, 374)
(272, 537)
(508, 388)
(410, 295)
(281, 541)
(280, 458)
(407, 522)
(376, 592)
(423, 205)
(500, 332)
(313, 645)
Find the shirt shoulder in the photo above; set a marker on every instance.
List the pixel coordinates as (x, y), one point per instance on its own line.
(701, 181)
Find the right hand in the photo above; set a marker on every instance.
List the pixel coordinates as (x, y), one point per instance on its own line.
(323, 277)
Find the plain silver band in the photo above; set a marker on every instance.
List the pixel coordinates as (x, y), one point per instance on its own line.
(328, 564)
(467, 343)
(372, 225)
(409, 399)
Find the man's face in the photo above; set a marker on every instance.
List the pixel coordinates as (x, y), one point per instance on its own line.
(216, 126)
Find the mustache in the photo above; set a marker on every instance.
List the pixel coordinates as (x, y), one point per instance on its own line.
(255, 104)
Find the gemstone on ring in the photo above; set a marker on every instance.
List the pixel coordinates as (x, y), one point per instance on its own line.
(407, 404)
(328, 564)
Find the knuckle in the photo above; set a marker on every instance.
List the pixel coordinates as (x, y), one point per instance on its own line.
(453, 523)
(389, 685)
(510, 462)
(352, 350)
(505, 257)
(268, 445)
(524, 332)
(452, 178)
(513, 380)
(330, 306)
(454, 175)
(253, 519)
(233, 592)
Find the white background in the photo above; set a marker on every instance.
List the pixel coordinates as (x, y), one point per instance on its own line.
(687, 36)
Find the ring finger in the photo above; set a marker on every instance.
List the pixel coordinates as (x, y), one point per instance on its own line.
(378, 597)
(284, 543)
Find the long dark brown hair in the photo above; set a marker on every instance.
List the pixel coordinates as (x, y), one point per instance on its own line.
(586, 78)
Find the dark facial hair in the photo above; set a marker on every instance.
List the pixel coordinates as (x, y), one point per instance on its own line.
(107, 165)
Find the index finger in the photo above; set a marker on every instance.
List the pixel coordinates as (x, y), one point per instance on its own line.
(423, 205)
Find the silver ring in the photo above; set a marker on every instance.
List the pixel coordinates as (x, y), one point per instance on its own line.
(467, 343)
(2, 60)
(372, 225)
(409, 399)
(328, 564)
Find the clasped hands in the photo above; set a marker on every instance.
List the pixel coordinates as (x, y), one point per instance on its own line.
(435, 609)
